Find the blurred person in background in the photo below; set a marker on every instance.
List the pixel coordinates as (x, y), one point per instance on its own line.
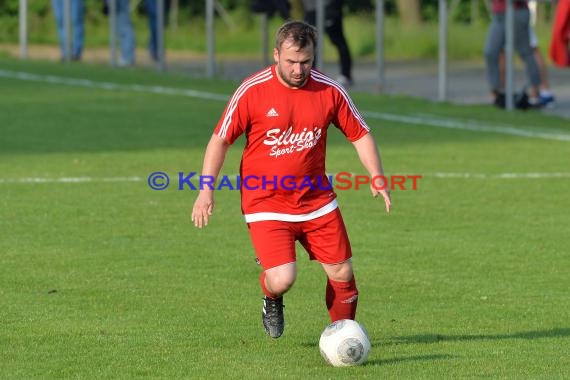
(77, 28)
(125, 31)
(151, 7)
(335, 30)
(545, 95)
(495, 44)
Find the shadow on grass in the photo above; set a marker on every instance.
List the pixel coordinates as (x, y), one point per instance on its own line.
(408, 359)
(397, 360)
(436, 338)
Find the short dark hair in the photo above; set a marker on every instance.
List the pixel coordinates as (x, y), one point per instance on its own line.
(300, 32)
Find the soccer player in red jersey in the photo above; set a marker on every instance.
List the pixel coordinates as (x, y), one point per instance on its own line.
(284, 112)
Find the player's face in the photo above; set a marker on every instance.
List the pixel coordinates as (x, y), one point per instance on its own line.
(294, 64)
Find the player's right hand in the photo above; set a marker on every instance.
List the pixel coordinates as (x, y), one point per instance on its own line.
(387, 199)
(385, 193)
(203, 209)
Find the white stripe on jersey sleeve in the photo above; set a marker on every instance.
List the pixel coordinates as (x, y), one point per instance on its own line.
(256, 79)
(324, 79)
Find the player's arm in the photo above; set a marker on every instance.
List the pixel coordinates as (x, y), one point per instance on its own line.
(213, 161)
(370, 158)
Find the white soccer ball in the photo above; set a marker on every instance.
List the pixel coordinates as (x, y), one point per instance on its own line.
(344, 343)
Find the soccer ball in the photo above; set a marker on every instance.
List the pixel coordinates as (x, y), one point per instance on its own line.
(344, 343)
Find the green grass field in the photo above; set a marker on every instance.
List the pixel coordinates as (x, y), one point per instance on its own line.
(102, 277)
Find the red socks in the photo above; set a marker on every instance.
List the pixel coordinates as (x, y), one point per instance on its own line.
(342, 298)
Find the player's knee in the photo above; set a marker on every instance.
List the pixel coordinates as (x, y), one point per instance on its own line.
(340, 272)
(280, 282)
(280, 285)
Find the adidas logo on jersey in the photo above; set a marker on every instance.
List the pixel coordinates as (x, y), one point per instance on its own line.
(272, 113)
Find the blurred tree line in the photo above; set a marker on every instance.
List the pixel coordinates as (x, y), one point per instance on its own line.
(410, 11)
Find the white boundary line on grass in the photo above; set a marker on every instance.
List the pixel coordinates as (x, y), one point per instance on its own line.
(424, 119)
(500, 175)
(466, 125)
(111, 86)
(72, 180)
(40, 180)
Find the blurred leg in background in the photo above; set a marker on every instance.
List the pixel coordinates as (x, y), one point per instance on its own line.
(151, 10)
(526, 53)
(546, 96)
(494, 47)
(126, 33)
(77, 27)
(335, 30)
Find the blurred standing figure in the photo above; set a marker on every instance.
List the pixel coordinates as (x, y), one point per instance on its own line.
(126, 33)
(152, 12)
(77, 27)
(335, 31)
(495, 44)
(545, 95)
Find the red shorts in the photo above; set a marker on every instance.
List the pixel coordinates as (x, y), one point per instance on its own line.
(324, 238)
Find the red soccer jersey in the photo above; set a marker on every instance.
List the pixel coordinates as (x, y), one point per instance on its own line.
(283, 163)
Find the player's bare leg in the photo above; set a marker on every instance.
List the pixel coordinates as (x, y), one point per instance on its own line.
(275, 282)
